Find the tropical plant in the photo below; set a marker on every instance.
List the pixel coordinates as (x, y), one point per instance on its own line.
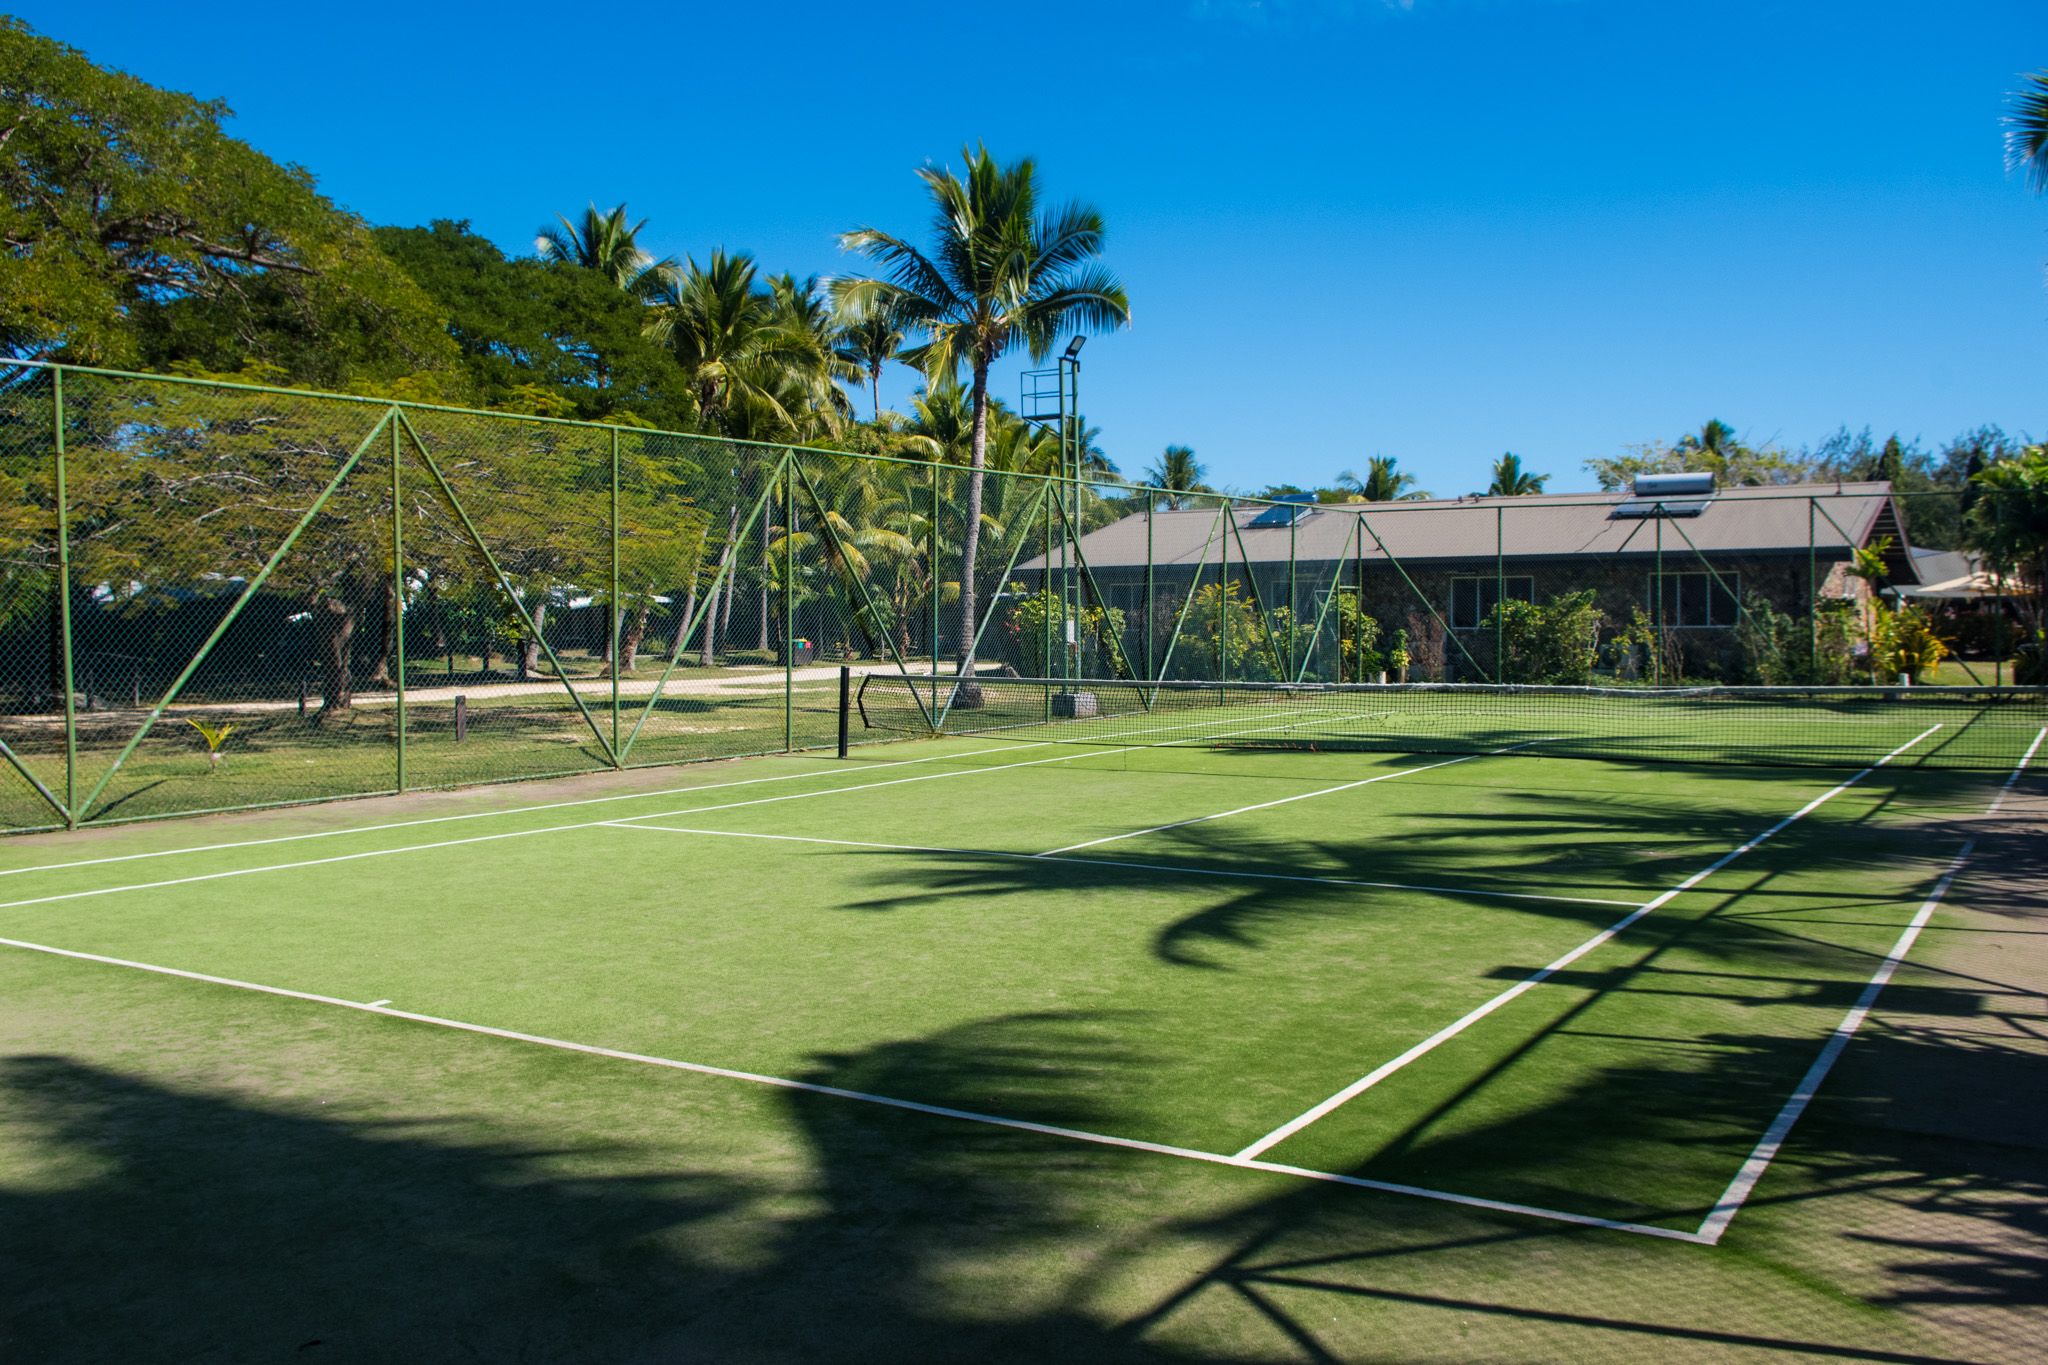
(605, 243)
(749, 363)
(214, 736)
(1713, 449)
(1510, 480)
(2026, 132)
(1177, 474)
(1903, 643)
(868, 341)
(1000, 274)
(1033, 620)
(1546, 642)
(1383, 482)
(2008, 523)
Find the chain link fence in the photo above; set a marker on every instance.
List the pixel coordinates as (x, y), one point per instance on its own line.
(218, 596)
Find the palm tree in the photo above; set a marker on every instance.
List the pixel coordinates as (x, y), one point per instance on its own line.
(2026, 132)
(1510, 480)
(1382, 482)
(813, 361)
(603, 242)
(734, 341)
(1000, 275)
(869, 341)
(1177, 473)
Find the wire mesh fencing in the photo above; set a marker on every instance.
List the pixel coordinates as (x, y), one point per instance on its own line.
(218, 596)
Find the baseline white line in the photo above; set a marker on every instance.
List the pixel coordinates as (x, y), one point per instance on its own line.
(862, 1096)
(1541, 974)
(1179, 869)
(2012, 781)
(588, 824)
(1739, 1189)
(1285, 800)
(487, 814)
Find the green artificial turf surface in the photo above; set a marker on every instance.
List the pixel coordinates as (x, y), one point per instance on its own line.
(1210, 965)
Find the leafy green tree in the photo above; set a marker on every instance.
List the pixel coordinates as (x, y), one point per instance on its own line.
(1715, 449)
(1178, 474)
(137, 232)
(1510, 480)
(553, 340)
(1383, 482)
(606, 244)
(999, 275)
(2009, 524)
(1546, 642)
(2026, 132)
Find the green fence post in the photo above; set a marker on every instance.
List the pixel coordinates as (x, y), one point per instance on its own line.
(249, 591)
(789, 601)
(1500, 593)
(1812, 599)
(64, 619)
(1222, 593)
(931, 562)
(1657, 666)
(1150, 587)
(616, 616)
(398, 596)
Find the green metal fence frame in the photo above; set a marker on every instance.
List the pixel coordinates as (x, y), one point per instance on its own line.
(789, 481)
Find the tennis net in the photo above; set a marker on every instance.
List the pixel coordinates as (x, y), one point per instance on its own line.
(1989, 728)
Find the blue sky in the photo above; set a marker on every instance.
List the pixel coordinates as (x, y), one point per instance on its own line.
(1436, 230)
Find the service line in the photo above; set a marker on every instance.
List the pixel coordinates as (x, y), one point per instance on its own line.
(382, 1009)
(1738, 1191)
(1541, 974)
(1285, 800)
(1091, 752)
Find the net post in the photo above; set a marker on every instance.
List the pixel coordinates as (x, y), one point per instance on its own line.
(398, 595)
(845, 705)
(64, 643)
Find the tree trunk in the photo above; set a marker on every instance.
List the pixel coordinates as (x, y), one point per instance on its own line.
(970, 540)
(763, 645)
(714, 622)
(629, 648)
(387, 647)
(529, 645)
(337, 616)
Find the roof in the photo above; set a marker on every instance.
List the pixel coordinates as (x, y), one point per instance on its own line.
(1949, 574)
(1738, 521)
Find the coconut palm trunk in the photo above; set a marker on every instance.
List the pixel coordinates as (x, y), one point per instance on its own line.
(970, 539)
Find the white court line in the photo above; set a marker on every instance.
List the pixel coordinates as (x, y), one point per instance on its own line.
(1766, 1149)
(2012, 781)
(1177, 869)
(1268, 805)
(487, 814)
(597, 824)
(1537, 977)
(838, 1092)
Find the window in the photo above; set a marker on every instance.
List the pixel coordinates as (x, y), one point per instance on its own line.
(1472, 599)
(1698, 599)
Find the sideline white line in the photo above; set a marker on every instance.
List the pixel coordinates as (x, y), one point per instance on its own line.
(1767, 1147)
(1093, 752)
(2012, 781)
(1285, 800)
(487, 814)
(1541, 974)
(1178, 869)
(864, 1097)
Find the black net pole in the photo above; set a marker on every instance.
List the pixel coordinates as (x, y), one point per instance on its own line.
(845, 704)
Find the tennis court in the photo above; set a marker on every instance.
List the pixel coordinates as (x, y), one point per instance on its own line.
(1302, 932)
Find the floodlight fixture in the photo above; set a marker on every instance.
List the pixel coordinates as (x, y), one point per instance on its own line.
(1074, 347)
